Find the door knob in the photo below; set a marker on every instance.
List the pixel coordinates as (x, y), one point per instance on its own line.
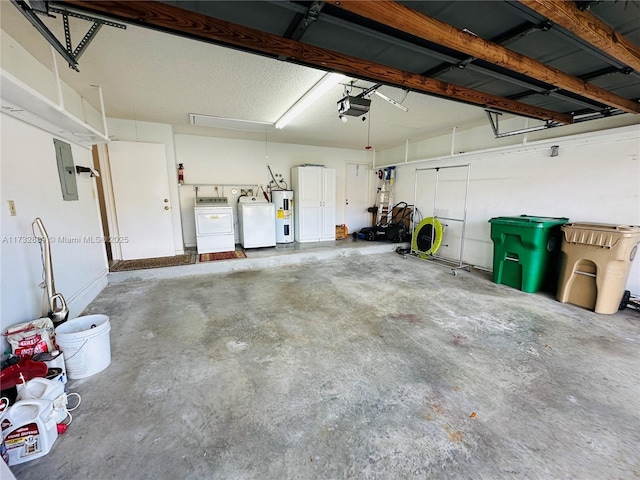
(166, 207)
(166, 200)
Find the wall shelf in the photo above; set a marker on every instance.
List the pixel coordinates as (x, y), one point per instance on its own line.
(21, 101)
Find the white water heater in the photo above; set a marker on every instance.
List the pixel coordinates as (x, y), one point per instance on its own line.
(283, 200)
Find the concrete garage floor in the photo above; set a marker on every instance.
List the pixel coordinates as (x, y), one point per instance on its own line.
(365, 366)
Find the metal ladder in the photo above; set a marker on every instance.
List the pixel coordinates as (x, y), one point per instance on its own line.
(386, 189)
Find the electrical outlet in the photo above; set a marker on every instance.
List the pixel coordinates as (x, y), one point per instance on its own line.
(12, 208)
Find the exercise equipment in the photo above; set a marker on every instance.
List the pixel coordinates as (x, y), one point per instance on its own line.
(428, 234)
(427, 237)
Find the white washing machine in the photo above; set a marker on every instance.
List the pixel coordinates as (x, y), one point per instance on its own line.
(214, 225)
(257, 222)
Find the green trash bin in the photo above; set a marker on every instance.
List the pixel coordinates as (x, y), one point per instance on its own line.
(526, 252)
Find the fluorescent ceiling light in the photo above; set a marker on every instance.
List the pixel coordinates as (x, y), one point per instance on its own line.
(318, 90)
(229, 123)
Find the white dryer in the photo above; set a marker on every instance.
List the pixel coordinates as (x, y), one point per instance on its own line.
(257, 222)
(214, 225)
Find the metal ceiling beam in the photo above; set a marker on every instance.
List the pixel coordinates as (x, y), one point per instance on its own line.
(495, 126)
(398, 16)
(603, 72)
(301, 23)
(70, 54)
(97, 24)
(23, 7)
(195, 25)
(588, 27)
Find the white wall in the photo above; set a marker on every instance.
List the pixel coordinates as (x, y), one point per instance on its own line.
(148, 132)
(29, 177)
(595, 178)
(228, 162)
(476, 136)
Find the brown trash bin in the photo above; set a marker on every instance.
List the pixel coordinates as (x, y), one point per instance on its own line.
(596, 260)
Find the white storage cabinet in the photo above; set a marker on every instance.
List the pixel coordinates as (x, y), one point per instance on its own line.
(314, 203)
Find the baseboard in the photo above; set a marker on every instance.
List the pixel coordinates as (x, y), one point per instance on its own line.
(83, 297)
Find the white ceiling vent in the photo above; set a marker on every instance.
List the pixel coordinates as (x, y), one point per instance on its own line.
(229, 123)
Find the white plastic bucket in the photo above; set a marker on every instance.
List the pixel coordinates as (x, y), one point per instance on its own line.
(86, 345)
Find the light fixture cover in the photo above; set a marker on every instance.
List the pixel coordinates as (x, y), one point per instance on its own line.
(229, 123)
(318, 90)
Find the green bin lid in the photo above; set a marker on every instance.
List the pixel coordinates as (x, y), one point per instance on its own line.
(529, 221)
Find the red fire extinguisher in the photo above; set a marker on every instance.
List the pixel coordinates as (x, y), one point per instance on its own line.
(180, 173)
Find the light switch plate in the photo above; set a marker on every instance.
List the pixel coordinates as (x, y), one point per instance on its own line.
(12, 208)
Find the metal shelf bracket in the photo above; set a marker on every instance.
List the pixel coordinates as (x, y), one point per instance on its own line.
(70, 54)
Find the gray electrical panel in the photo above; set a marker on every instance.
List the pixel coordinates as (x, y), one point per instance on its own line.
(66, 170)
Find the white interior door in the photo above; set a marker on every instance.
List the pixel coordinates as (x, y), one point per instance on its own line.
(141, 196)
(357, 183)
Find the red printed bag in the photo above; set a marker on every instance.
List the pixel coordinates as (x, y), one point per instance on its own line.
(29, 338)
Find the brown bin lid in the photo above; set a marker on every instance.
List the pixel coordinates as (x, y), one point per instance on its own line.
(598, 234)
